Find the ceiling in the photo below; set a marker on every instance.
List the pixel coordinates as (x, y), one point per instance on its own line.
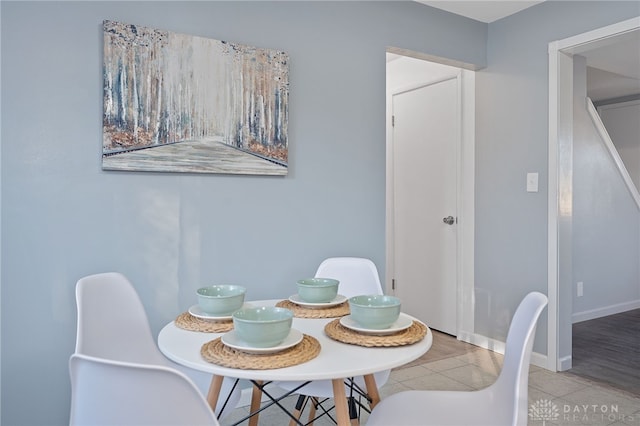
(613, 64)
(480, 10)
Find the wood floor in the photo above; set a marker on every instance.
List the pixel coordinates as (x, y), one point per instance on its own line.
(608, 350)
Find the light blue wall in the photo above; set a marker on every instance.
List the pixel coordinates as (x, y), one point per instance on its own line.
(511, 140)
(63, 218)
(623, 126)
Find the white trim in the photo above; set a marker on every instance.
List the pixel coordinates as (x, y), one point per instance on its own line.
(615, 105)
(605, 311)
(552, 233)
(602, 131)
(564, 363)
(245, 397)
(246, 393)
(569, 45)
(460, 216)
(537, 359)
(483, 342)
(573, 44)
(466, 202)
(433, 58)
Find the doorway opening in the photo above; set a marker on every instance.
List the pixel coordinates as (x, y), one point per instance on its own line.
(564, 284)
(412, 79)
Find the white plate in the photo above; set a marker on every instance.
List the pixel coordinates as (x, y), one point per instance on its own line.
(338, 300)
(230, 339)
(402, 323)
(199, 313)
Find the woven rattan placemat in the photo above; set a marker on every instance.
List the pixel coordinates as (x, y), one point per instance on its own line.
(188, 322)
(411, 335)
(304, 312)
(218, 353)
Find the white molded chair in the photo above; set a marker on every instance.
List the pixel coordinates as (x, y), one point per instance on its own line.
(502, 403)
(107, 392)
(113, 324)
(357, 276)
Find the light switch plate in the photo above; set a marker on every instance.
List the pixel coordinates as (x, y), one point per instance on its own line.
(532, 182)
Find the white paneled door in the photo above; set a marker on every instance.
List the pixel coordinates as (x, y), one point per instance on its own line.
(425, 140)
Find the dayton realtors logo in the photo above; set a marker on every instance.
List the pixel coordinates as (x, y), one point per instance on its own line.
(546, 411)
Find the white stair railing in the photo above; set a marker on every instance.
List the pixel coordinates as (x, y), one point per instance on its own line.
(602, 131)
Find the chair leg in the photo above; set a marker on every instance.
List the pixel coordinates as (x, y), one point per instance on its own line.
(353, 412)
(312, 410)
(298, 411)
(372, 390)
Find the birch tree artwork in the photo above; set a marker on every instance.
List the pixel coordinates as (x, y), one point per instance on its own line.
(180, 103)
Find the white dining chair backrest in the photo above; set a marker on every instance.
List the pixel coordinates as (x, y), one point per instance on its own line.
(107, 392)
(504, 403)
(514, 376)
(112, 322)
(356, 275)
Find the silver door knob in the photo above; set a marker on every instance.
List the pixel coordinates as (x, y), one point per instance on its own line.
(449, 220)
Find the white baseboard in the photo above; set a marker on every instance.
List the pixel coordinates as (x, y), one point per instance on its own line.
(537, 359)
(482, 341)
(605, 311)
(565, 363)
(245, 395)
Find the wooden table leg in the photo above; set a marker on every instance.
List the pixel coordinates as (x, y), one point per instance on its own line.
(256, 399)
(372, 390)
(340, 401)
(214, 391)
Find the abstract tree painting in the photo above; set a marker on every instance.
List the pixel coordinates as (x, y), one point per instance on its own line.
(180, 103)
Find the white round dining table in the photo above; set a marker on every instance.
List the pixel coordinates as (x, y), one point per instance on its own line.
(336, 361)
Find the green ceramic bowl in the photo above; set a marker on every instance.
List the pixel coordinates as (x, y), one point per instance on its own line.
(262, 327)
(221, 299)
(375, 312)
(318, 290)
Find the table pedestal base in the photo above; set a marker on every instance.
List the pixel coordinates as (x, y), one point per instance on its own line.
(339, 396)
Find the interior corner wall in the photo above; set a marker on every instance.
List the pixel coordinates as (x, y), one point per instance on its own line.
(63, 217)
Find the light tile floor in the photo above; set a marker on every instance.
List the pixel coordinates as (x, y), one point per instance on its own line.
(578, 401)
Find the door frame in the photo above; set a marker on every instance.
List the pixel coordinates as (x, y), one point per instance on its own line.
(560, 213)
(465, 172)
